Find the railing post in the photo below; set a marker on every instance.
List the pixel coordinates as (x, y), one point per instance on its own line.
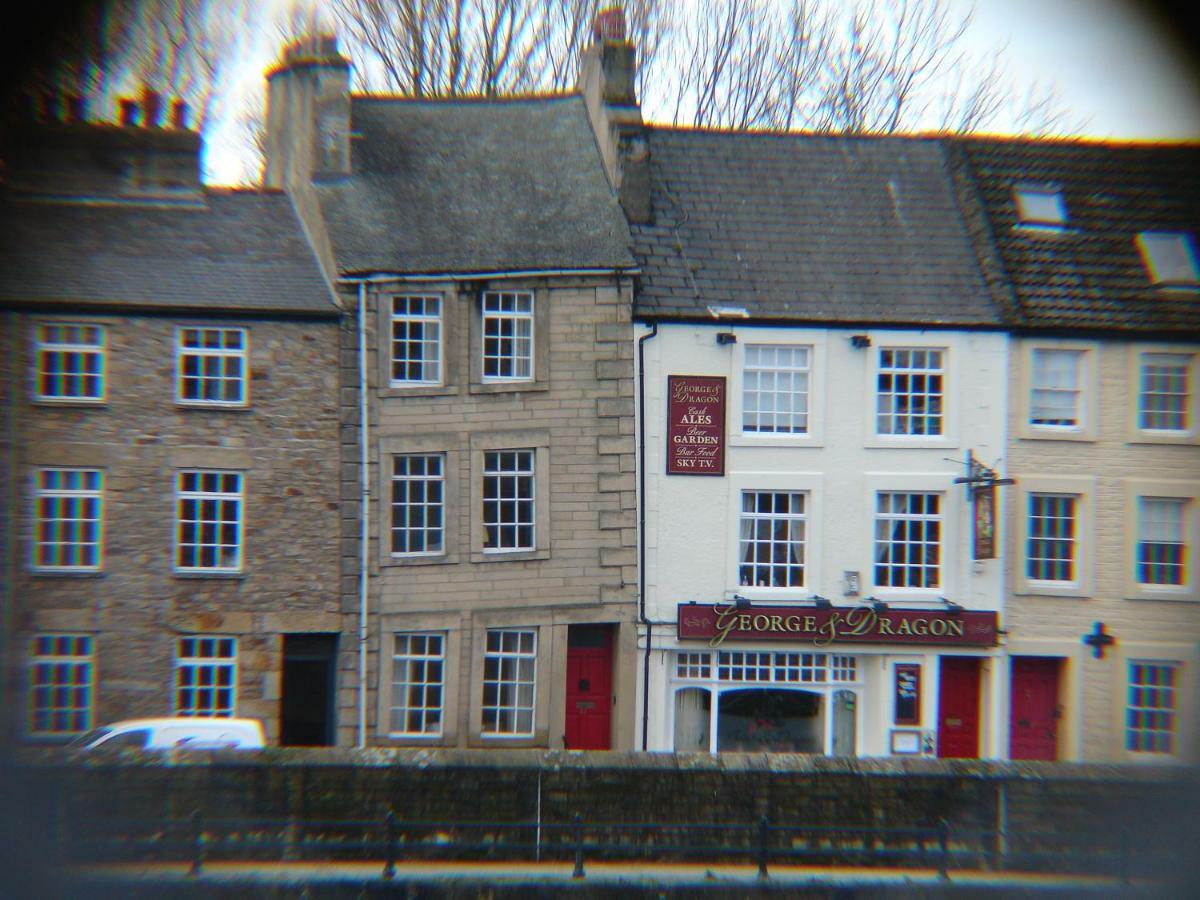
(578, 822)
(763, 849)
(389, 865)
(197, 844)
(944, 843)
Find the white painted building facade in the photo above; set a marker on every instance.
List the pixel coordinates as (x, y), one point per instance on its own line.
(841, 450)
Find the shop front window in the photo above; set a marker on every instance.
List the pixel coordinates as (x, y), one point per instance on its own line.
(770, 721)
(790, 702)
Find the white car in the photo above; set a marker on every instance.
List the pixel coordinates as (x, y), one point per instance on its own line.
(184, 733)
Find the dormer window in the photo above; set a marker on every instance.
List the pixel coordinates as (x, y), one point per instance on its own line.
(1040, 206)
(1169, 257)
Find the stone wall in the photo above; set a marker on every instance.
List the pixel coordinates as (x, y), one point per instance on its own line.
(1033, 804)
(284, 441)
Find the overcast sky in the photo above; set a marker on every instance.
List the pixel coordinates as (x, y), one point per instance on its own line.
(1116, 71)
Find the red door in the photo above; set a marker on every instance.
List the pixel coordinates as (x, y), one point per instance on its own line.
(958, 707)
(589, 688)
(1033, 722)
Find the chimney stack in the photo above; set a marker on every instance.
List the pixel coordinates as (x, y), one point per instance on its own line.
(607, 81)
(179, 113)
(308, 114)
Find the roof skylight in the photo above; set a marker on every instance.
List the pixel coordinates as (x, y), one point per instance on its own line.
(1169, 257)
(1040, 205)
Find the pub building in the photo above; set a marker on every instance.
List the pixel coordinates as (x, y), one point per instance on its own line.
(819, 556)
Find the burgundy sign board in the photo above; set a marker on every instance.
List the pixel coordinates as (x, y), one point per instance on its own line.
(717, 623)
(695, 425)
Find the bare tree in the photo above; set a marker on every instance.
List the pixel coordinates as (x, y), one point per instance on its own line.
(441, 48)
(871, 66)
(449, 48)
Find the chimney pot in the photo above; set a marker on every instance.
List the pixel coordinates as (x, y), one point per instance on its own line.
(73, 109)
(48, 101)
(179, 113)
(609, 25)
(129, 112)
(151, 107)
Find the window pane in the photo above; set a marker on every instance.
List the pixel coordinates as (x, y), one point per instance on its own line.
(909, 391)
(908, 540)
(509, 500)
(212, 365)
(510, 664)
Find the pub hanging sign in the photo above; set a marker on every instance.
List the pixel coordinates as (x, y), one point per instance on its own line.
(820, 627)
(695, 425)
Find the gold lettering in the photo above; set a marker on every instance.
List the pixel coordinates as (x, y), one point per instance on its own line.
(792, 623)
(937, 627)
(762, 623)
(777, 623)
(920, 626)
(905, 627)
(956, 628)
(860, 621)
(810, 623)
(726, 620)
(745, 622)
(885, 627)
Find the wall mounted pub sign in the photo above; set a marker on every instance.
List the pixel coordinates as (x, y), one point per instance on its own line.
(695, 425)
(718, 622)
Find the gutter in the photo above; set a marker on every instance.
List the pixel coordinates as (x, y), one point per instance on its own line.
(385, 277)
(642, 618)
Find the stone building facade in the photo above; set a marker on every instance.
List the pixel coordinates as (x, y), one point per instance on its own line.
(1093, 248)
(490, 483)
(171, 448)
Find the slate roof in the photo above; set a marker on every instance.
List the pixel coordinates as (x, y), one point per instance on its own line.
(1089, 275)
(807, 228)
(473, 186)
(237, 250)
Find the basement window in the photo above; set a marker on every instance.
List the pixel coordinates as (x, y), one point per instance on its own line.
(1169, 258)
(1040, 206)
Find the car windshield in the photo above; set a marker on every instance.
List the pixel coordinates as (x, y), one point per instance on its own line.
(88, 738)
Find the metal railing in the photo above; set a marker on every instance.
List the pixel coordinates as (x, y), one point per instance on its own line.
(198, 840)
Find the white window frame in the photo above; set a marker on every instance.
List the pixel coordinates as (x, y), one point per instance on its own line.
(230, 511)
(750, 524)
(200, 661)
(430, 329)
(410, 481)
(55, 339)
(512, 671)
(231, 364)
(516, 349)
(1139, 358)
(911, 398)
(62, 667)
(410, 672)
(1187, 494)
(1170, 259)
(1039, 207)
(524, 472)
(879, 519)
(1087, 390)
(1143, 699)
(791, 379)
(1045, 512)
(1083, 489)
(67, 519)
